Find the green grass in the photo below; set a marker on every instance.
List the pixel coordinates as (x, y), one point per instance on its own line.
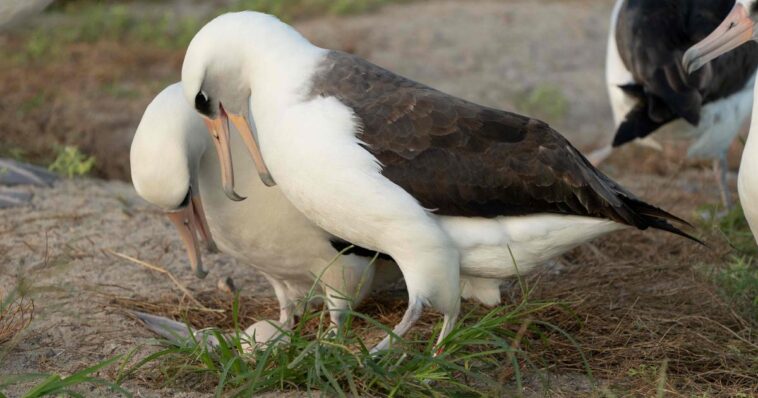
(338, 363)
(70, 162)
(738, 280)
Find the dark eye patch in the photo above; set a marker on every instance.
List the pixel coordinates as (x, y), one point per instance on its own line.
(202, 103)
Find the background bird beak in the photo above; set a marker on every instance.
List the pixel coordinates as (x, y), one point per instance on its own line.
(219, 130)
(736, 29)
(186, 222)
(252, 146)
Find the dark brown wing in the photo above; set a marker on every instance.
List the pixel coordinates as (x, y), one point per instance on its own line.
(460, 158)
(652, 36)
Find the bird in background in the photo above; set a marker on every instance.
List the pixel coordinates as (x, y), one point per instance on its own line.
(649, 87)
(737, 28)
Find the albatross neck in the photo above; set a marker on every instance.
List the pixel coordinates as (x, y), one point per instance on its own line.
(279, 68)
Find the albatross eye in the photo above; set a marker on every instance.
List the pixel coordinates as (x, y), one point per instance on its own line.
(202, 103)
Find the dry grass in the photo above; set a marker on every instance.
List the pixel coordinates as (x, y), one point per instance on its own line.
(16, 313)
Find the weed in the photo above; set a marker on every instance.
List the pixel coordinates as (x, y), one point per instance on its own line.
(70, 162)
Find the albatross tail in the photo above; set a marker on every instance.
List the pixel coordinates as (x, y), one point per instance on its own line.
(649, 216)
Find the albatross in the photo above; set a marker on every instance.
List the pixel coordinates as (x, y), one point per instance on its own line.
(649, 88)
(174, 167)
(442, 185)
(737, 28)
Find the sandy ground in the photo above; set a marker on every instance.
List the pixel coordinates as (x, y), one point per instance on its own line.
(60, 247)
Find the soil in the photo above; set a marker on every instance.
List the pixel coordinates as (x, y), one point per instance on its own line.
(60, 248)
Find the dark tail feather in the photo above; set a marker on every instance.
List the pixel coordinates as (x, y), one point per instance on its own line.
(656, 218)
(637, 124)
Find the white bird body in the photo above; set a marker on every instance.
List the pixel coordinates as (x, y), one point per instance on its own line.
(747, 180)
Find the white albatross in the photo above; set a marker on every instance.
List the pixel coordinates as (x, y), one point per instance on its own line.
(737, 28)
(174, 166)
(442, 185)
(649, 88)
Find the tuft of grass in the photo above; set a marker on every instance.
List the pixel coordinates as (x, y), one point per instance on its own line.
(485, 352)
(70, 162)
(16, 313)
(544, 101)
(732, 225)
(738, 281)
(56, 385)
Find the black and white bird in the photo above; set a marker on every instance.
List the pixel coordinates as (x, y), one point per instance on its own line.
(649, 88)
(174, 166)
(442, 185)
(737, 28)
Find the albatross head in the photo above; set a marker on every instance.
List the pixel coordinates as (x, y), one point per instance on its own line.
(216, 73)
(165, 158)
(737, 28)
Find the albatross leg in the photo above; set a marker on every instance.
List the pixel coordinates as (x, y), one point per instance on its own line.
(411, 316)
(720, 170)
(286, 304)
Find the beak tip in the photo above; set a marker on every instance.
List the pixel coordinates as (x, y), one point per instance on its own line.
(267, 180)
(232, 195)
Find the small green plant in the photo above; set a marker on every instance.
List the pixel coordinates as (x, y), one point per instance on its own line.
(544, 101)
(70, 162)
